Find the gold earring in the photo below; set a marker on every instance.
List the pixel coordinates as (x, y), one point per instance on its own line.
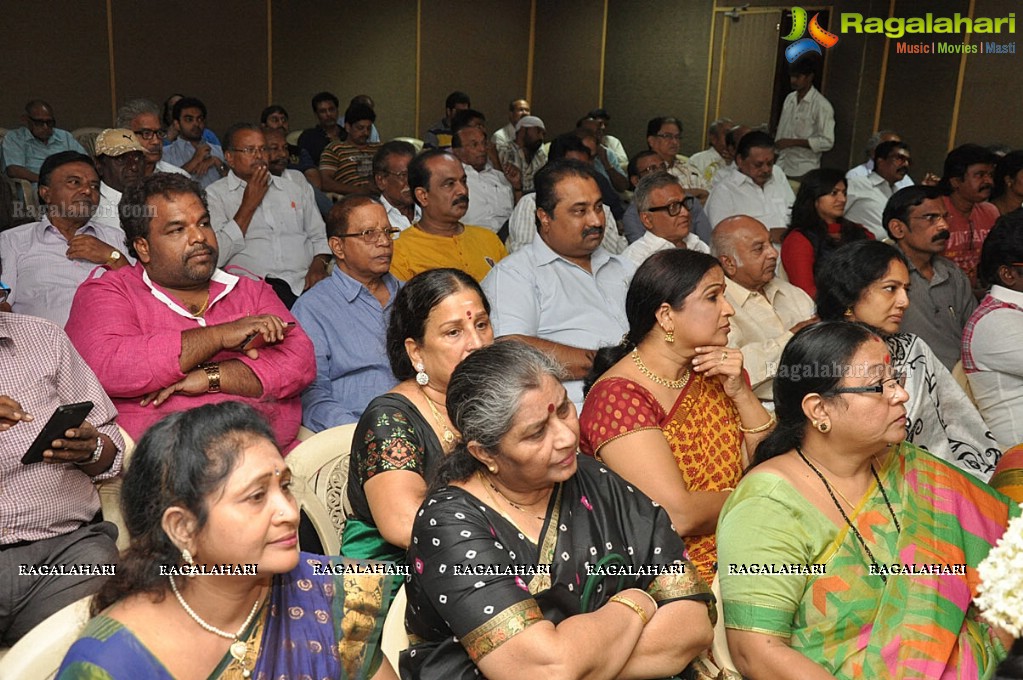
(848, 311)
(493, 470)
(669, 336)
(823, 427)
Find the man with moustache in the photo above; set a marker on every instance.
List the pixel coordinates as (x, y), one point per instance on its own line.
(517, 108)
(267, 224)
(563, 293)
(491, 195)
(525, 152)
(275, 117)
(44, 262)
(142, 117)
(868, 195)
(190, 152)
(390, 173)
(439, 238)
(175, 330)
(664, 210)
(346, 315)
(120, 159)
(768, 311)
(941, 299)
(967, 182)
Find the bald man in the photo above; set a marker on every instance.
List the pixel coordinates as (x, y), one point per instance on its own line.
(768, 311)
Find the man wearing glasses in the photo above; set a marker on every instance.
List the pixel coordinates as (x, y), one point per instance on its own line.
(25, 149)
(346, 315)
(665, 212)
(390, 172)
(267, 224)
(768, 311)
(142, 117)
(645, 163)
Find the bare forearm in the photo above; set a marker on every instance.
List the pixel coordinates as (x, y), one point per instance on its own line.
(237, 378)
(577, 361)
(199, 345)
(19, 172)
(244, 216)
(780, 662)
(665, 647)
(696, 513)
(752, 415)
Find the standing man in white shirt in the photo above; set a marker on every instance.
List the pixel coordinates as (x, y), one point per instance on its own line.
(806, 128)
(491, 195)
(756, 188)
(390, 173)
(266, 224)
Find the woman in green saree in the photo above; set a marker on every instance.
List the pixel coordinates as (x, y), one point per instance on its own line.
(839, 508)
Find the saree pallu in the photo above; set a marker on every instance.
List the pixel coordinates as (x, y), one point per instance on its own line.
(848, 620)
(1008, 476)
(476, 581)
(702, 430)
(315, 625)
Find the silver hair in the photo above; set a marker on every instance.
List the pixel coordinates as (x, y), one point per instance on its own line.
(875, 139)
(648, 184)
(486, 389)
(133, 108)
(716, 125)
(722, 244)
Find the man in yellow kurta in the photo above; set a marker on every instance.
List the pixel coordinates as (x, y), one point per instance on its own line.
(439, 239)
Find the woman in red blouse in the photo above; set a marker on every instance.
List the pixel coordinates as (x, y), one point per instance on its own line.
(818, 226)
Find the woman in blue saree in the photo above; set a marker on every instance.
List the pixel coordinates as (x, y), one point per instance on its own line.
(213, 584)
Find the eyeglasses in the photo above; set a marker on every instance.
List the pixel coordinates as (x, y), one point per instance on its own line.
(43, 122)
(373, 235)
(931, 218)
(675, 207)
(403, 175)
(886, 386)
(251, 150)
(5, 291)
(657, 167)
(147, 134)
(667, 136)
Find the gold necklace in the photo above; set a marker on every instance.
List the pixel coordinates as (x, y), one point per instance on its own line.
(202, 310)
(448, 436)
(670, 384)
(487, 481)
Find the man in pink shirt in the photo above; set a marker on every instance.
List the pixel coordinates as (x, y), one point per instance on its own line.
(967, 183)
(174, 332)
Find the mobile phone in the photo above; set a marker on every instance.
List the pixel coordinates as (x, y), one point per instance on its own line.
(255, 339)
(66, 417)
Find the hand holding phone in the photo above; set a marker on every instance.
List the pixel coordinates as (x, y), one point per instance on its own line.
(66, 417)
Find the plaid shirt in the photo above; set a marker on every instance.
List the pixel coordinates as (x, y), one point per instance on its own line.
(41, 370)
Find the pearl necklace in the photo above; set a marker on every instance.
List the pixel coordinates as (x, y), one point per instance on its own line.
(670, 384)
(239, 648)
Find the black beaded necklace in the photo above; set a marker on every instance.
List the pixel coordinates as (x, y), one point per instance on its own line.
(838, 505)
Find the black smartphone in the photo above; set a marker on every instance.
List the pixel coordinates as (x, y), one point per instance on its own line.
(255, 340)
(66, 417)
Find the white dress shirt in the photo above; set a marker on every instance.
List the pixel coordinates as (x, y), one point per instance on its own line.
(867, 197)
(504, 135)
(522, 227)
(650, 243)
(491, 197)
(812, 119)
(397, 217)
(106, 212)
(737, 194)
(867, 167)
(285, 232)
(708, 162)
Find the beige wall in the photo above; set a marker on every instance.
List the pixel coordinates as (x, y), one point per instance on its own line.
(638, 58)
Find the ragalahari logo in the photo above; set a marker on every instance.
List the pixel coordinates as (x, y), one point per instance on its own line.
(818, 36)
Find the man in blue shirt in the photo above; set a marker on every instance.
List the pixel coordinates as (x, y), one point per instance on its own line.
(346, 315)
(190, 151)
(25, 149)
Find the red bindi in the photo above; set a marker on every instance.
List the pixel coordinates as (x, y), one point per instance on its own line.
(469, 314)
(550, 408)
(887, 359)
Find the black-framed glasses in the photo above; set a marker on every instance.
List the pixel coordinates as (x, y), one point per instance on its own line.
(657, 167)
(43, 122)
(675, 207)
(886, 386)
(373, 235)
(148, 133)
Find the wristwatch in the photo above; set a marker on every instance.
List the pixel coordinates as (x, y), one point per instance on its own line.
(114, 258)
(212, 371)
(96, 455)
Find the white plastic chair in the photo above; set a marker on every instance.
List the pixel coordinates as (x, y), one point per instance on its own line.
(320, 465)
(38, 655)
(719, 650)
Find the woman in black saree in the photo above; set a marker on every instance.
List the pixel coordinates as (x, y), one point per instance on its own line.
(529, 561)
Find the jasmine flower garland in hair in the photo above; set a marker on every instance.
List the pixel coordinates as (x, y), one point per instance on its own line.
(1000, 594)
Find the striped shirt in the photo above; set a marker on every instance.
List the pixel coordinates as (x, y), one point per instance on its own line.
(350, 164)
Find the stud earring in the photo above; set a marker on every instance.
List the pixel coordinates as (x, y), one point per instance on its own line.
(848, 311)
(823, 427)
(421, 376)
(493, 470)
(187, 557)
(669, 336)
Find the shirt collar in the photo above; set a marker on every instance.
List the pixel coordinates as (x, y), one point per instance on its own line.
(234, 182)
(45, 224)
(742, 293)
(220, 279)
(1013, 297)
(351, 289)
(391, 210)
(545, 255)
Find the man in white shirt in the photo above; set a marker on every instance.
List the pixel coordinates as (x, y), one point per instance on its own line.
(390, 173)
(517, 108)
(563, 293)
(806, 128)
(768, 311)
(756, 188)
(717, 155)
(665, 211)
(868, 195)
(491, 196)
(867, 166)
(266, 224)
(120, 160)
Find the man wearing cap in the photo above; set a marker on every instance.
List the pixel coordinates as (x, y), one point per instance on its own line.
(517, 108)
(525, 152)
(267, 224)
(120, 160)
(142, 117)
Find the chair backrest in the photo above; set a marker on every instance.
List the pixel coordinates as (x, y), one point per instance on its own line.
(86, 136)
(320, 465)
(418, 143)
(719, 650)
(110, 494)
(960, 375)
(292, 137)
(38, 655)
(394, 639)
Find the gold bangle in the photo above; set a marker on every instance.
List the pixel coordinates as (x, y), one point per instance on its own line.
(621, 599)
(771, 422)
